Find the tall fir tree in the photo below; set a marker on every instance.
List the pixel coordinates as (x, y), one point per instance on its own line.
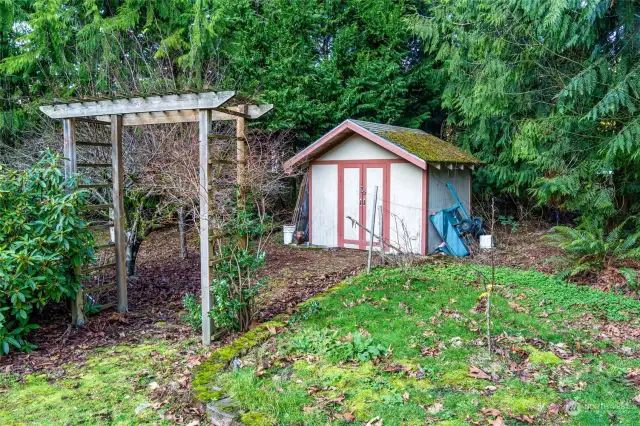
(547, 93)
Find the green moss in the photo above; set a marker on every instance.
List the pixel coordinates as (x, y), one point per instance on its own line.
(204, 375)
(362, 401)
(460, 378)
(106, 389)
(525, 400)
(256, 419)
(537, 357)
(429, 147)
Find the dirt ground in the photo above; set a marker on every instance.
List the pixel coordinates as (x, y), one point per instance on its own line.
(295, 274)
(155, 299)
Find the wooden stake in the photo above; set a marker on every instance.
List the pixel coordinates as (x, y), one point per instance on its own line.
(373, 225)
(206, 247)
(380, 222)
(117, 176)
(70, 169)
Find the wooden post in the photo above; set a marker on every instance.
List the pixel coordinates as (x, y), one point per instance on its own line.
(206, 246)
(70, 169)
(117, 176)
(241, 158)
(373, 227)
(380, 225)
(182, 232)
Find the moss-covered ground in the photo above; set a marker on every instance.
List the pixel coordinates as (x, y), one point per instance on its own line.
(121, 385)
(407, 347)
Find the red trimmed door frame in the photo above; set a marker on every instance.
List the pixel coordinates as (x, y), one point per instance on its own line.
(385, 193)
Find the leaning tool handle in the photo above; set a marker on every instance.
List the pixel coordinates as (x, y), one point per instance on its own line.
(455, 195)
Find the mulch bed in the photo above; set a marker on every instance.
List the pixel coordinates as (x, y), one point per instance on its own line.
(155, 299)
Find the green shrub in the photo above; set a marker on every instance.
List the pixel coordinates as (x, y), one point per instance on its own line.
(588, 248)
(235, 282)
(42, 241)
(193, 316)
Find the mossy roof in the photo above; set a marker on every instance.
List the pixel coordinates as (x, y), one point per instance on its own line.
(419, 143)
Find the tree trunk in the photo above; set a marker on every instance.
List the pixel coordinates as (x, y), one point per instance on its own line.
(183, 236)
(132, 254)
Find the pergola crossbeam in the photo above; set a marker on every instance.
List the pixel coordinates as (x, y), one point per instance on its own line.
(137, 105)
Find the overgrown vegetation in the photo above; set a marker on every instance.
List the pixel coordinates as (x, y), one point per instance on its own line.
(42, 242)
(588, 248)
(549, 366)
(193, 314)
(235, 283)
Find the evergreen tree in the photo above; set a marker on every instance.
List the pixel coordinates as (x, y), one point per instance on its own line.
(547, 94)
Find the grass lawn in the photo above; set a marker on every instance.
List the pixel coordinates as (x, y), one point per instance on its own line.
(550, 366)
(121, 385)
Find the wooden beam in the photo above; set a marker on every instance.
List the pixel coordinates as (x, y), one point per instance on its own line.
(234, 112)
(118, 210)
(187, 116)
(135, 105)
(93, 121)
(70, 169)
(206, 248)
(88, 143)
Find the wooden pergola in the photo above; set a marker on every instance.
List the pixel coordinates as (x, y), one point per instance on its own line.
(116, 112)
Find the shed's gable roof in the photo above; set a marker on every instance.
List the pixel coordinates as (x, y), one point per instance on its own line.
(413, 145)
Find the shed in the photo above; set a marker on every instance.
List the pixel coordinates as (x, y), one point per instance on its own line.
(409, 166)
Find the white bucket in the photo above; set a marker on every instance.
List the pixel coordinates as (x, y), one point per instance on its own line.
(486, 241)
(287, 233)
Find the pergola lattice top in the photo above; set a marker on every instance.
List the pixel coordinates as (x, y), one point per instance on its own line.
(158, 109)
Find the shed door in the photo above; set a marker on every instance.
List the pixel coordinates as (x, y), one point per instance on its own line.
(357, 184)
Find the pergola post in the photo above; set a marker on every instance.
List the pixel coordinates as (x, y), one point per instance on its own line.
(117, 177)
(70, 169)
(206, 246)
(241, 170)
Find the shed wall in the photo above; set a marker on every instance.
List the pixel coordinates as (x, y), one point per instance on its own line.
(406, 206)
(357, 147)
(440, 197)
(324, 204)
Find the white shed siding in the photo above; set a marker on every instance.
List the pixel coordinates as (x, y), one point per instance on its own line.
(440, 197)
(358, 148)
(324, 205)
(406, 206)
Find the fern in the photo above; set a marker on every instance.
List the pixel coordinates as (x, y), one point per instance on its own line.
(589, 248)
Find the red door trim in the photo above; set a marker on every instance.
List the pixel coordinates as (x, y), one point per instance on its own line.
(310, 205)
(425, 219)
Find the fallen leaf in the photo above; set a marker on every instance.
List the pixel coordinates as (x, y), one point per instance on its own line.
(477, 373)
(490, 412)
(435, 408)
(338, 399)
(272, 329)
(524, 419)
(636, 399)
(553, 409)
(405, 396)
(499, 421)
(347, 416)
